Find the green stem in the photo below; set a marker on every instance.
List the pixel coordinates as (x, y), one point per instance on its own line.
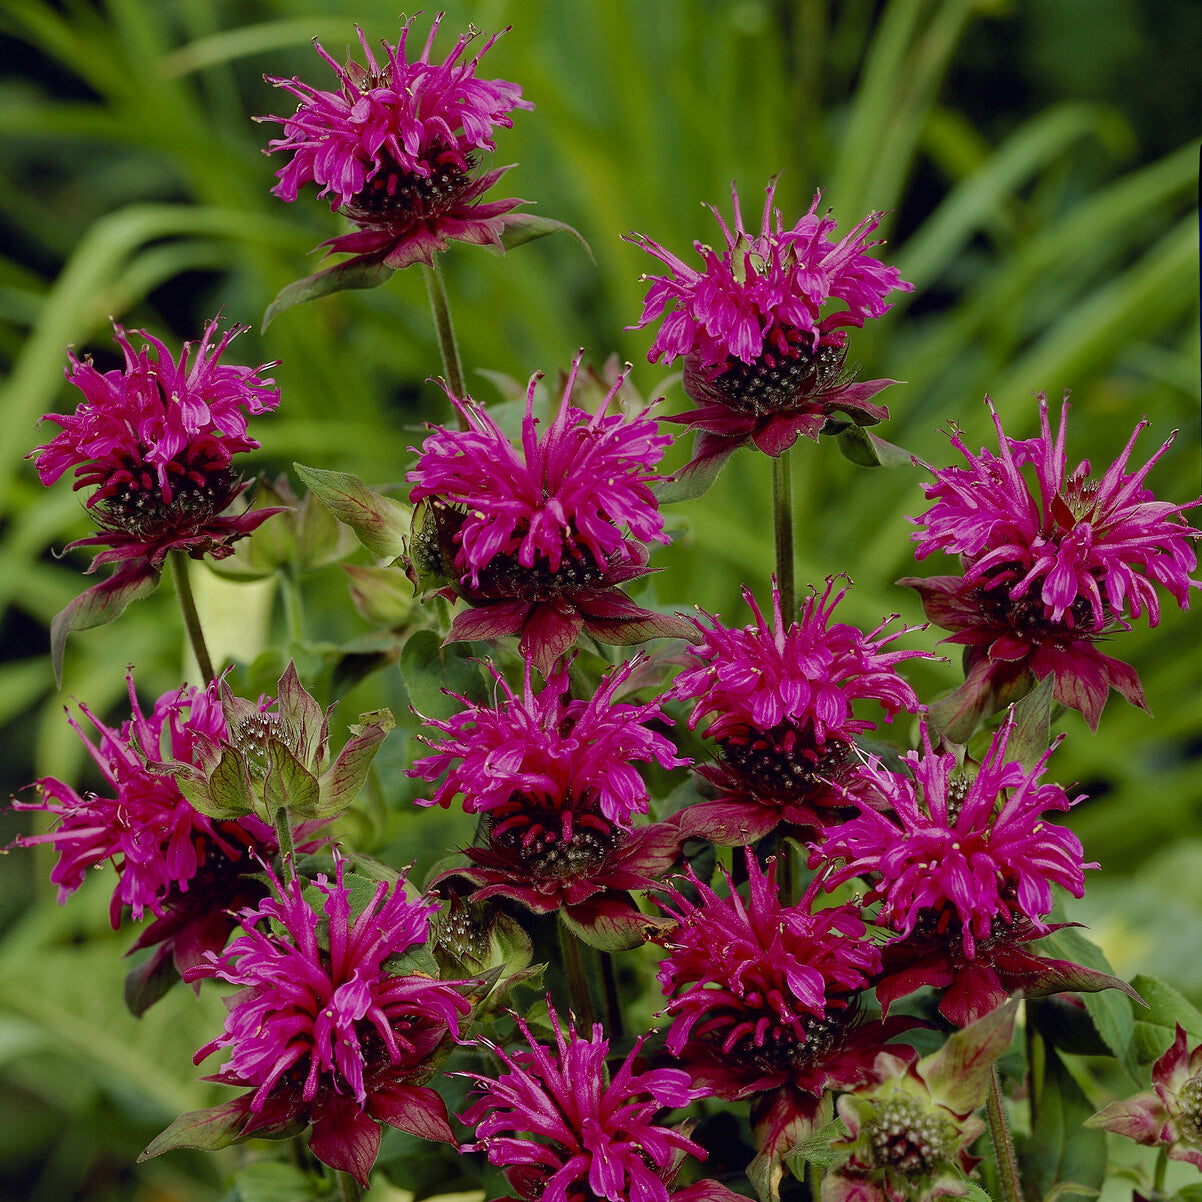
(573, 963)
(782, 524)
(446, 334)
(348, 1187)
(1003, 1146)
(294, 611)
(1162, 1163)
(187, 603)
(615, 1028)
(283, 830)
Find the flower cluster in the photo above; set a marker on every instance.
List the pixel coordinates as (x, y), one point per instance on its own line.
(186, 869)
(556, 781)
(779, 698)
(1049, 571)
(764, 996)
(537, 542)
(564, 1130)
(321, 1032)
(396, 148)
(156, 442)
(963, 867)
(761, 358)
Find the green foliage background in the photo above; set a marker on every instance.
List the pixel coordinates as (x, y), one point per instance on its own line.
(1040, 172)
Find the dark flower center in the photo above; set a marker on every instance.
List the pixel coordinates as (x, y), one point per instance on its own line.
(251, 735)
(505, 577)
(132, 502)
(788, 1046)
(783, 763)
(397, 197)
(1028, 616)
(549, 847)
(787, 374)
(905, 1136)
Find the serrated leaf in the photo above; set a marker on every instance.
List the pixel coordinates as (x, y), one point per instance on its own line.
(380, 523)
(1155, 1026)
(363, 271)
(816, 1149)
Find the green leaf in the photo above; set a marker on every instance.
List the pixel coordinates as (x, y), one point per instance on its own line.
(817, 1149)
(363, 271)
(1031, 734)
(1111, 1011)
(227, 794)
(275, 1181)
(432, 670)
(959, 1073)
(380, 523)
(526, 227)
(1060, 1149)
(289, 783)
(206, 1130)
(865, 448)
(1155, 1026)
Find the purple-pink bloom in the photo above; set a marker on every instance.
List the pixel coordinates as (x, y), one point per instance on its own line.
(1051, 567)
(761, 357)
(321, 1032)
(155, 441)
(558, 783)
(1168, 1116)
(780, 701)
(396, 149)
(962, 866)
(186, 869)
(537, 541)
(565, 1130)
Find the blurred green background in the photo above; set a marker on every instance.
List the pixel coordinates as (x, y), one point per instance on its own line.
(1039, 163)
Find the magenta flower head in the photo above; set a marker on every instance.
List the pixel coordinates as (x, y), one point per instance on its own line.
(1051, 567)
(764, 999)
(779, 698)
(184, 868)
(762, 358)
(321, 1032)
(537, 541)
(557, 783)
(564, 1130)
(1168, 1116)
(396, 148)
(155, 442)
(963, 868)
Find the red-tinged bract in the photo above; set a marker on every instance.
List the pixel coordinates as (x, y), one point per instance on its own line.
(764, 355)
(1052, 566)
(1168, 1116)
(564, 1130)
(155, 442)
(780, 701)
(321, 1032)
(537, 540)
(397, 146)
(962, 866)
(558, 784)
(187, 870)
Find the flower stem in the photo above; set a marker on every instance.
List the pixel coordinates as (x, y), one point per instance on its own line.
(446, 334)
(187, 603)
(293, 605)
(1162, 1163)
(283, 831)
(1003, 1146)
(573, 962)
(348, 1187)
(782, 524)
